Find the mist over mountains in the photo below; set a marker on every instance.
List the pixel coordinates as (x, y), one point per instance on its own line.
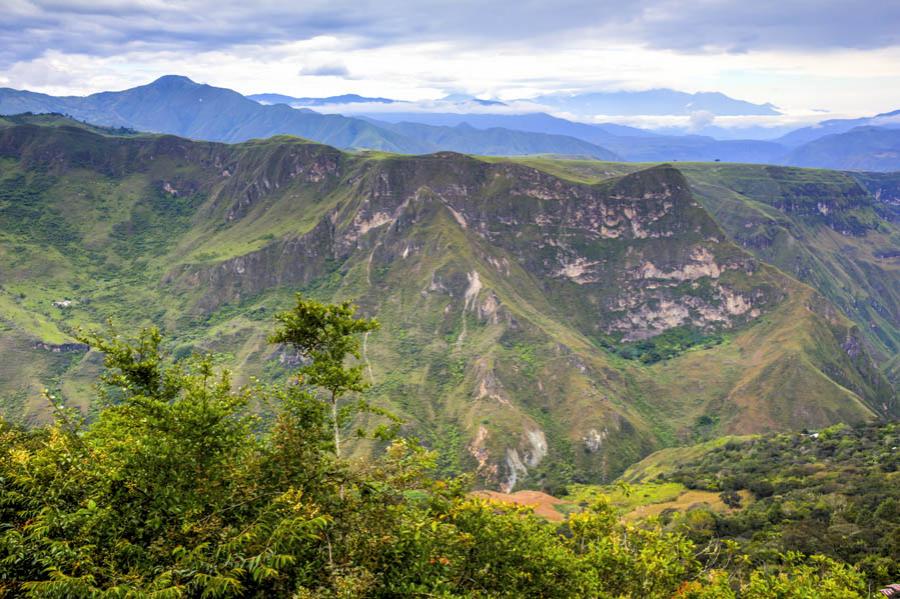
(179, 106)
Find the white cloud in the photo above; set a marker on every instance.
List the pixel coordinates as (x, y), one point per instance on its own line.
(700, 119)
(385, 49)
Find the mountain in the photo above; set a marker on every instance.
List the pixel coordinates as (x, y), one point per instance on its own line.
(179, 106)
(669, 144)
(628, 142)
(804, 135)
(536, 328)
(537, 122)
(467, 99)
(864, 144)
(837, 232)
(823, 228)
(652, 102)
(859, 149)
(620, 103)
(497, 141)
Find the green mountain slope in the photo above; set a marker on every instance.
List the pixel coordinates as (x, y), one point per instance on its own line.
(497, 141)
(835, 231)
(861, 149)
(821, 227)
(535, 329)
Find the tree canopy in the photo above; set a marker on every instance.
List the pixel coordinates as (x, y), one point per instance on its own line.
(178, 488)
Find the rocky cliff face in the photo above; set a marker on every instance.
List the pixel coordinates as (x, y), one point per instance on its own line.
(505, 293)
(639, 255)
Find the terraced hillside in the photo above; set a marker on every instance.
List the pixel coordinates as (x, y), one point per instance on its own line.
(535, 328)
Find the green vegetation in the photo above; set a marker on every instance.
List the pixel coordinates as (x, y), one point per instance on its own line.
(666, 345)
(837, 232)
(508, 296)
(326, 336)
(178, 489)
(834, 492)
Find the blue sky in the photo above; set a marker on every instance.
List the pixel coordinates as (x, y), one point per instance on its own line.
(836, 55)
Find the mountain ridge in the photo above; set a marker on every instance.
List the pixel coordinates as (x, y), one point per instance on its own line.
(179, 106)
(504, 292)
(176, 105)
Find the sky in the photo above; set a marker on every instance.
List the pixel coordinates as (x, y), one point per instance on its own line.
(808, 57)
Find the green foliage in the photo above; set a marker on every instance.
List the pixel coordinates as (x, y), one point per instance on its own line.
(208, 239)
(178, 490)
(666, 345)
(834, 492)
(325, 336)
(799, 578)
(631, 561)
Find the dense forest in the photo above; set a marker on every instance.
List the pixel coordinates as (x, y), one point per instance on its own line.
(834, 492)
(185, 486)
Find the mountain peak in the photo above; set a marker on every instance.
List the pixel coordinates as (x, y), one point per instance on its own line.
(173, 81)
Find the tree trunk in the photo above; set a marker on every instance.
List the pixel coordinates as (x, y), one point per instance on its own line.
(337, 430)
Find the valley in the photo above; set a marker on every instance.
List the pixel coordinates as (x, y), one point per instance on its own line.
(543, 320)
(450, 300)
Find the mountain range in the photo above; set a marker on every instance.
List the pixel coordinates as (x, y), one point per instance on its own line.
(542, 319)
(653, 102)
(618, 103)
(179, 106)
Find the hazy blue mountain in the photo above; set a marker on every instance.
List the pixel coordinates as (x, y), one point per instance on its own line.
(177, 105)
(467, 99)
(834, 126)
(628, 142)
(180, 106)
(650, 102)
(537, 122)
(697, 148)
(653, 102)
(498, 141)
(714, 130)
(860, 149)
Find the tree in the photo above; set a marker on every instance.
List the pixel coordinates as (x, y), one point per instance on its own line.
(326, 335)
(178, 489)
(731, 498)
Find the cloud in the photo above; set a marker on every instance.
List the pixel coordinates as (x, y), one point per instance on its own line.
(334, 69)
(795, 53)
(700, 119)
(106, 27)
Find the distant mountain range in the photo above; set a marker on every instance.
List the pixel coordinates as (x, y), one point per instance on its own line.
(348, 99)
(860, 149)
(653, 102)
(834, 126)
(177, 105)
(619, 103)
